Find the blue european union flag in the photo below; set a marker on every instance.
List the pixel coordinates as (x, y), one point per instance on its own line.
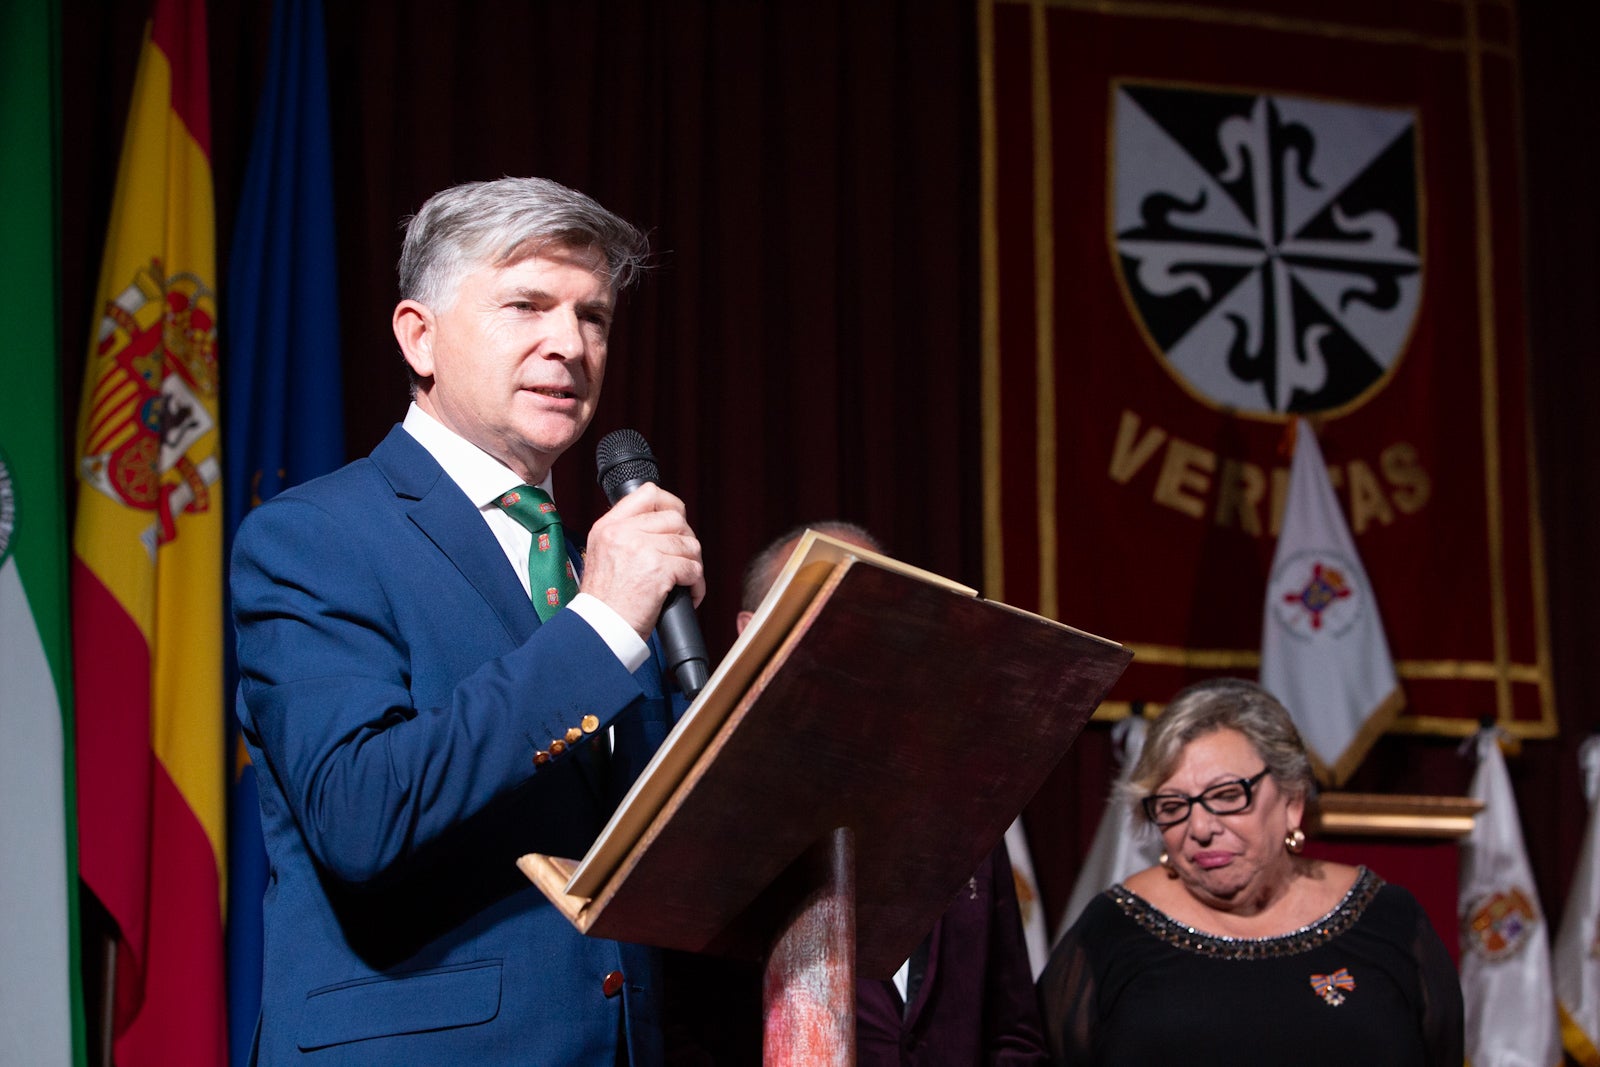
(283, 404)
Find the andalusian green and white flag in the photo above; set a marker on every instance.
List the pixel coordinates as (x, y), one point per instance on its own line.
(41, 1011)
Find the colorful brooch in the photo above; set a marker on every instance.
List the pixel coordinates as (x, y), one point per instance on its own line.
(1329, 986)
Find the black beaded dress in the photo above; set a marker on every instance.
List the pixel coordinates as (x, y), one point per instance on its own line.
(1370, 983)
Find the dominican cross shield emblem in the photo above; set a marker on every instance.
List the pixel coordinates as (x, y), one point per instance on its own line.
(1268, 244)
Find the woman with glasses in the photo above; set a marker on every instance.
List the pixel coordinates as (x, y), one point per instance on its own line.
(1236, 948)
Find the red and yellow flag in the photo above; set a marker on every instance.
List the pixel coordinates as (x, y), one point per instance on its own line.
(147, 573)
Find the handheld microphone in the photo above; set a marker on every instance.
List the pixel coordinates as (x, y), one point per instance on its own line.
(624, 462)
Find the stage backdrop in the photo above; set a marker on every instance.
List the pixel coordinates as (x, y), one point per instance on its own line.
(809, 345)
(1200, 220)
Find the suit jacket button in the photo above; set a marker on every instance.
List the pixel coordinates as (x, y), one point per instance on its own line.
(589, 723)
(557, 747)
(612, 984)
(541, 758)
(574, 735)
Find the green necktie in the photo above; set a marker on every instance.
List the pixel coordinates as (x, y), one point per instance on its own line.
(551, 582)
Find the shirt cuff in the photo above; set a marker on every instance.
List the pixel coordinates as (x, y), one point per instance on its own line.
(624, 643)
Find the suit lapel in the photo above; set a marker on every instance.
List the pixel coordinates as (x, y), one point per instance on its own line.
(438, 507)
(929, 972)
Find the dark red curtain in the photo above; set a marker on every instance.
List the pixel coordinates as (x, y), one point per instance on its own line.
(804, 347)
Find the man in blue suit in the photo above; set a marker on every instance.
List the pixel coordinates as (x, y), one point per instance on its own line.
(415, 725)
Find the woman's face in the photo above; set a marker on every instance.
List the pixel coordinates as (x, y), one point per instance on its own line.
(1229, 860)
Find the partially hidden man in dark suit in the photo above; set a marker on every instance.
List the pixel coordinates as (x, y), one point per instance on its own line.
(966, 996)
(974, 1002)
(415, 725)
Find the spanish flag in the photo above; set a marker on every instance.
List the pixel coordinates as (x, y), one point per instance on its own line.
(147, 570)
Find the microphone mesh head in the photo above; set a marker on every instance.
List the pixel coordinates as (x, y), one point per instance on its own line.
(623, 456)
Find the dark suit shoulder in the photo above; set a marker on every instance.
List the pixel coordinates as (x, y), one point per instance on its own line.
(399, 466)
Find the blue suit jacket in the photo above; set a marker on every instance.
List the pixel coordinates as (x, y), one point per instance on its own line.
(396, 684)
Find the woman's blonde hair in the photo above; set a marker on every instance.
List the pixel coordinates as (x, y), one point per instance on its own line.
(1220, 704)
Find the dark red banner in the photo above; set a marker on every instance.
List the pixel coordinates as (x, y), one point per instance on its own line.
(1203, 219)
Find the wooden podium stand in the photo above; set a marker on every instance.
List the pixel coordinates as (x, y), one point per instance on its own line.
(855, 784)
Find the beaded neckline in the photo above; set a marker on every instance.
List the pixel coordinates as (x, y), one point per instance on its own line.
(1325, 929)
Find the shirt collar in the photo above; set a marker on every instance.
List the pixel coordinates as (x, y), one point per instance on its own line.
(482, 477)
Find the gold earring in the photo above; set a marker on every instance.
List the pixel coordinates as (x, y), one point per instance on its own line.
(1166, 862)
(1295, 840)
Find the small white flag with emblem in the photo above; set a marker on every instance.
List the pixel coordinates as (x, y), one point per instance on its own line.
(1577, 947)
(1028, 900)
(1505, 951)
(1323, 649)
(1121, 845)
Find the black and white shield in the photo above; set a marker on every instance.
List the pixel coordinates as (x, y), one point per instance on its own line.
(1268, 244)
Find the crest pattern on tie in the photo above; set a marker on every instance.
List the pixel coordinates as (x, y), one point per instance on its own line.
(551, 582)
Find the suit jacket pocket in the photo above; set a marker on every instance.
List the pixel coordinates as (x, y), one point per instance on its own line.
(464, 995)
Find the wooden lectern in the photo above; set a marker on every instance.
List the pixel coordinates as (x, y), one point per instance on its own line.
(833, 798)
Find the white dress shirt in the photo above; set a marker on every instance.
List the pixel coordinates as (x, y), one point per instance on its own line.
(485, 480)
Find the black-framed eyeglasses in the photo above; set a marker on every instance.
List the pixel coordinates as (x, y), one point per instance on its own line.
(1224, 798)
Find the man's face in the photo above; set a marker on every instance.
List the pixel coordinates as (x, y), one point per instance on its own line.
(515, 363)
